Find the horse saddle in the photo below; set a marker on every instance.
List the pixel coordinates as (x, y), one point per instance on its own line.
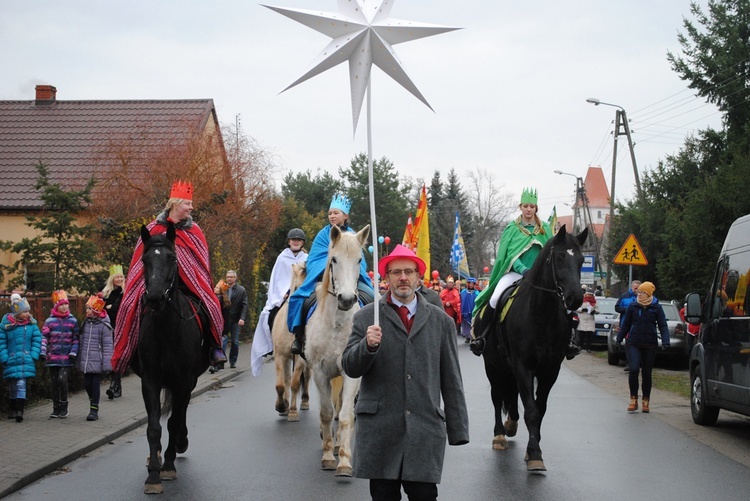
(308, 306)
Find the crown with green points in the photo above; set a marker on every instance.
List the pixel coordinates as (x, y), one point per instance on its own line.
(115, 269)
(341, 202)
(529, 196)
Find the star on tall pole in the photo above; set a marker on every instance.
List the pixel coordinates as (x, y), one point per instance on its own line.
(363, 33)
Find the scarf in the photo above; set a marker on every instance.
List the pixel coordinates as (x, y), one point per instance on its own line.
(646, 300)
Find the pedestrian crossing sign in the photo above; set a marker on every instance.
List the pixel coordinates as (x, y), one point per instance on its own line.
(631, 253)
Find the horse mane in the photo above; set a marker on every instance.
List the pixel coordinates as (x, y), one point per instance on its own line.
(341, 243)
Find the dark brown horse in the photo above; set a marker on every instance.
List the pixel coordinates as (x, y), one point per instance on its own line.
(170, 355)
(526, 348)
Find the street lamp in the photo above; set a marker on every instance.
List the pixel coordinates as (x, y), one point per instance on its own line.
(620, 118)
(576, 208)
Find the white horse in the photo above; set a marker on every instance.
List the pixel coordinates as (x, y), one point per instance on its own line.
(292, 373)
(328, 330)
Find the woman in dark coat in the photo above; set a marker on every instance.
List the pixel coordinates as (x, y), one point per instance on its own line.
(112, 294)
(639, 330)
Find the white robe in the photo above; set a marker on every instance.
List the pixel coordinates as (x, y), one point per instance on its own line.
(278, 286)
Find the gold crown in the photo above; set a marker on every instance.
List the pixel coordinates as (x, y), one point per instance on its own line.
(96, 303)
(58, 296)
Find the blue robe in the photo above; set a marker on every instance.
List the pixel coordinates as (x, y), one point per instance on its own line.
(316, 265)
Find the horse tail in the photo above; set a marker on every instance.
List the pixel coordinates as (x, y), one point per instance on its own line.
(166, 405)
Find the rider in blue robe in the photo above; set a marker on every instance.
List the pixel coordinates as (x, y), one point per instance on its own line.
(338, 214)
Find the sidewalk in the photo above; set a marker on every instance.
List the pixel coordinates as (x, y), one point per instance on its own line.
(37, 446)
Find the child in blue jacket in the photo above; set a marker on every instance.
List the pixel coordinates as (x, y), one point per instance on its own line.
(20, 346)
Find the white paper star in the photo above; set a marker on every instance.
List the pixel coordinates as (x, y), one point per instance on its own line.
(362, 33)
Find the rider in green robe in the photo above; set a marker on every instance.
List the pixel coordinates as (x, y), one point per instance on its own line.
(520, 244)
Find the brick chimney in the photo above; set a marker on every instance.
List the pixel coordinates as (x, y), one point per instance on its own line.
(45, 95)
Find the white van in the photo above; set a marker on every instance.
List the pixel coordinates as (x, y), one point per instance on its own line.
(720, 359)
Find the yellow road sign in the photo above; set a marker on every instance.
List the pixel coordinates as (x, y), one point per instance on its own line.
(631, 253)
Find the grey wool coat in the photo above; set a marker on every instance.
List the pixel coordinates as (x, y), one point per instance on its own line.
(401, 426)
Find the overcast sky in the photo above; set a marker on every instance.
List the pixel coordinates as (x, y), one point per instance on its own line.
(508, 90)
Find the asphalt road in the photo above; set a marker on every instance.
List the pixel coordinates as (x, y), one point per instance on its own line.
(593, 449)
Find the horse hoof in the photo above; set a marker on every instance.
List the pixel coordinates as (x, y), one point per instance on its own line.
(282, 409)
(535, 465)
(153, 489)
(328, 464)
(499, 443)
(181, 447)
(168, 475)
(344, 471)
(293, 417)
(305, 406)
(511, 428)
(284, 413)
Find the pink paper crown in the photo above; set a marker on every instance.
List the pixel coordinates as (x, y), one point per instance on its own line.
(182, 189)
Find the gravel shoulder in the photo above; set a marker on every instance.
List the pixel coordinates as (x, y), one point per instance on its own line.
(730, 436)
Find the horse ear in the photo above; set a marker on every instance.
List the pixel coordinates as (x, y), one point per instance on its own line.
(171, 233)
(363, 234)
(335, 234)
(560, 235)
(582, 236)
(145, 235)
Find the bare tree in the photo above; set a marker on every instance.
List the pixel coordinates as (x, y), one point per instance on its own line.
(491, 210)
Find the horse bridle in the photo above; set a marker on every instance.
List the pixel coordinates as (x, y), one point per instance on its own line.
(558, 290)
(168, 292)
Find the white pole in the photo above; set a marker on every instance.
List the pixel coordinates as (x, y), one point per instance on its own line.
(373, 223)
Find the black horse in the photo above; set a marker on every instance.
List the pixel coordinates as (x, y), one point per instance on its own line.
(171, 353)
(525, 348)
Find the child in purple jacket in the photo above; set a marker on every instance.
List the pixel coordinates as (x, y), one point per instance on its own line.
(95, 351)
(60, 349)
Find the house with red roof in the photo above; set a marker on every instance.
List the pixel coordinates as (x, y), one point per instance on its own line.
(74, 140)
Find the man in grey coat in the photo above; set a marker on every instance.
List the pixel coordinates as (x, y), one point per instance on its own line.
(407, 363)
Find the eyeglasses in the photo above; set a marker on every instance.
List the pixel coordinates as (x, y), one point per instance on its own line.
(409, 272)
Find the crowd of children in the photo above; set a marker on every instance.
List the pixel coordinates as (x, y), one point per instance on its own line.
(61, 343)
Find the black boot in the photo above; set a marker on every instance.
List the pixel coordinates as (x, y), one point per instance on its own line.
(55, 409)
(298, 346)
(572, 350)
(117, 391)
(12, 411)
(112, 386)
(481, 325)
(20, 403)
(93, 412)
(63, 409)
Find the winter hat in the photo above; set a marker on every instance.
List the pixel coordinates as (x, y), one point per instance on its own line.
(60, 297)
(400, 252)
(19, 305)
(647, 287)
(15, 297)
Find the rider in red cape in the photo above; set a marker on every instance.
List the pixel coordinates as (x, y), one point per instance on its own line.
(195, 271)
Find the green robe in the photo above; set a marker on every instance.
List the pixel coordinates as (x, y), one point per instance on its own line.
(519, 246)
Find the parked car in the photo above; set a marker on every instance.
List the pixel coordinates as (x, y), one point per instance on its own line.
(720, 359)
(605, 320)
(677, 351)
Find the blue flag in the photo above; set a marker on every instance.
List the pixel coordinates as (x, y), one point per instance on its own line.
(459, 264)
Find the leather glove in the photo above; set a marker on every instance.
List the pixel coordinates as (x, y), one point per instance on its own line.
(43, 358)
(72, 358)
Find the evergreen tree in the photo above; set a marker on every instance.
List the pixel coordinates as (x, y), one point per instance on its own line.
(391, 196)
(62, 256)
(716, 62)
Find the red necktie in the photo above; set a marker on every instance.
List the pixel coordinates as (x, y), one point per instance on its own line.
(403, 314)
